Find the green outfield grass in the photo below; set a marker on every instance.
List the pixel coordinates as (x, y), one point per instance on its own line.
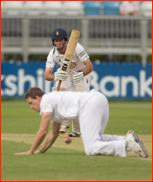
(66, 162)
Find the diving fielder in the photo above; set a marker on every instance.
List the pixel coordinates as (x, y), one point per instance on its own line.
(92, 110)
(78, 75)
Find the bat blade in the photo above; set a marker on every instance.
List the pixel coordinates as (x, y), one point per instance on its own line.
(69, 52)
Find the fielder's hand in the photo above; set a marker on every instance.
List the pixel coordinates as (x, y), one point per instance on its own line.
(60, 75)
(23, 153)
(78, 77)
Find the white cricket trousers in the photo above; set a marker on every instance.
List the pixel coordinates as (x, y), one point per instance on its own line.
(93, 118)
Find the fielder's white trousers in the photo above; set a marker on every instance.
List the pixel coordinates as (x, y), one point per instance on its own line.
(93, 118)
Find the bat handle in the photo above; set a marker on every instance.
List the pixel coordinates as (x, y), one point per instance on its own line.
(59, 84)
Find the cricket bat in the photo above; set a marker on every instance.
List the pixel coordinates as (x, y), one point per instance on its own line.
(69, 53)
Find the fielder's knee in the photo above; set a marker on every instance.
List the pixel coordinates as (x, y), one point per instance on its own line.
(88, 151)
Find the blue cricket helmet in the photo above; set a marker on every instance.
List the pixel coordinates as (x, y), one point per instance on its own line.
(59, 33)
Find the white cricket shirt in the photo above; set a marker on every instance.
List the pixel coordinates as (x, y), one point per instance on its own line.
(65, 105)
(77, 61)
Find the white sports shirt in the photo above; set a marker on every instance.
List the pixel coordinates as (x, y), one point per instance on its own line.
(65, 105)
(77, 61)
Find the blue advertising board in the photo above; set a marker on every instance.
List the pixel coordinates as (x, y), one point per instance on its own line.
(116, 80)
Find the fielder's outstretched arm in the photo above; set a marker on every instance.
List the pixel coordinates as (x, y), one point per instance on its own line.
(52, 136)
(40, 134)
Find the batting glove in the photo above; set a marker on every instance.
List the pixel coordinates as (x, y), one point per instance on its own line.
(60, 75)
(78, 77)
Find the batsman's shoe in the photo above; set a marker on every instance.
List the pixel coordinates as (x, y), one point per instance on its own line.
(74, 134)
(135, 145)
(63, 129)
